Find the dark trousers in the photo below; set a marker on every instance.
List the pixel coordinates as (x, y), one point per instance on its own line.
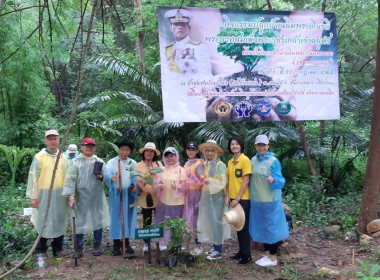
(272, 248)
(118, 244)
(147, 214)
(98, 235)
(56, 245)
(244, 238)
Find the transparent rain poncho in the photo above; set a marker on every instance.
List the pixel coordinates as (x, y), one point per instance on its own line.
(211, 226)
(170, 186)
(194, 170)
(128, 197)
(39, 179)
(267, 223)
(91, 206)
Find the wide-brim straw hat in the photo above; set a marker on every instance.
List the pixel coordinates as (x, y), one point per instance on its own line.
(150, 146)
(142, 200)
(212, 145)
(235, 217)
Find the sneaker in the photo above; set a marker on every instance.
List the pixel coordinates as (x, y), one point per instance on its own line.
(97, 249)
(237, 256)
(196, 251)
(145, 248)
(244, 261)
(209, 252)
(261, 260)
(163, 248)
(215, 255)
(268, 262)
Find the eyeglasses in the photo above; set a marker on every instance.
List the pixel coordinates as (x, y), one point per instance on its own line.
(210, 151)
(89, 145)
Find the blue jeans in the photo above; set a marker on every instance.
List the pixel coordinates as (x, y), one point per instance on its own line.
(98, 234)
(218, 248)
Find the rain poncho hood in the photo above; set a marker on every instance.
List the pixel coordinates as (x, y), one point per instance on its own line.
(39, 179)
(91, 205)
(267, 222)
(173, 179)
(128, 197)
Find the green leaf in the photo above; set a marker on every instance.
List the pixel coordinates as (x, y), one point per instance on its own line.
(135, 174)
(156, 170)
(116, 148)
(149, 181)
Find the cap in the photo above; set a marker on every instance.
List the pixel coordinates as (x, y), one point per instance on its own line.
(192, 144)
(51, 132)
(262, 138)
(170, 150)
(88, 141)
(178, 15)
(150, 146)
(71, 149)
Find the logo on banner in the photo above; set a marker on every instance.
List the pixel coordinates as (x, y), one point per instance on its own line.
(283, 107)
(222, 108)
(243, 108)
(263, 108)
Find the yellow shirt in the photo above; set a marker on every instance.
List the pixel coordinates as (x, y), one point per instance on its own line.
(174, 181)
(236, 172)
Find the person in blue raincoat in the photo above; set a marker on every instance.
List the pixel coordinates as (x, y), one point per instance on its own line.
(129, 196)
(267, 223)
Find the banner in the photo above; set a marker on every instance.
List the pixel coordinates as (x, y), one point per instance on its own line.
(233, 65)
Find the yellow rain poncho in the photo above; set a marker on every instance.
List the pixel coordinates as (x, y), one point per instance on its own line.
(40, 175)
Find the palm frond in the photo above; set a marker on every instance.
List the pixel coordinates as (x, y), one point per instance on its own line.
(123, 68)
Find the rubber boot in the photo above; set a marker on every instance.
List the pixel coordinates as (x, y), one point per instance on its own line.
(97, 249)
(78, 252)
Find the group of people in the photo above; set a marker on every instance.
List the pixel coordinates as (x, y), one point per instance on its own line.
(199, 192)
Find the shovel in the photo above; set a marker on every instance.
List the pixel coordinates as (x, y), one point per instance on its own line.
(75, 238)
(121, 210)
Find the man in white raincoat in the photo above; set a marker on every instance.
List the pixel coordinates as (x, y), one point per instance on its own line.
(129, 196)
(39, 180)
(87, 197)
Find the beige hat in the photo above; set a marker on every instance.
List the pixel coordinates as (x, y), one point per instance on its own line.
(235, 217)
(143, 199)
(212, 145)
(150, 146)
(51, 132)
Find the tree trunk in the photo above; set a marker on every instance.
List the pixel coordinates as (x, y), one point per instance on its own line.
(306, 150)
(370, 196)
(140, 41)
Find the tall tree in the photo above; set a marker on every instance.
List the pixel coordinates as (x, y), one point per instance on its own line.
(369, 209)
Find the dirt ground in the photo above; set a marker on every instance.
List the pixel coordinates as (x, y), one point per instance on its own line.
(303, 256)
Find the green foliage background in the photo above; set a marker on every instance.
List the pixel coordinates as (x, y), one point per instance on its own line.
(39, 71)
